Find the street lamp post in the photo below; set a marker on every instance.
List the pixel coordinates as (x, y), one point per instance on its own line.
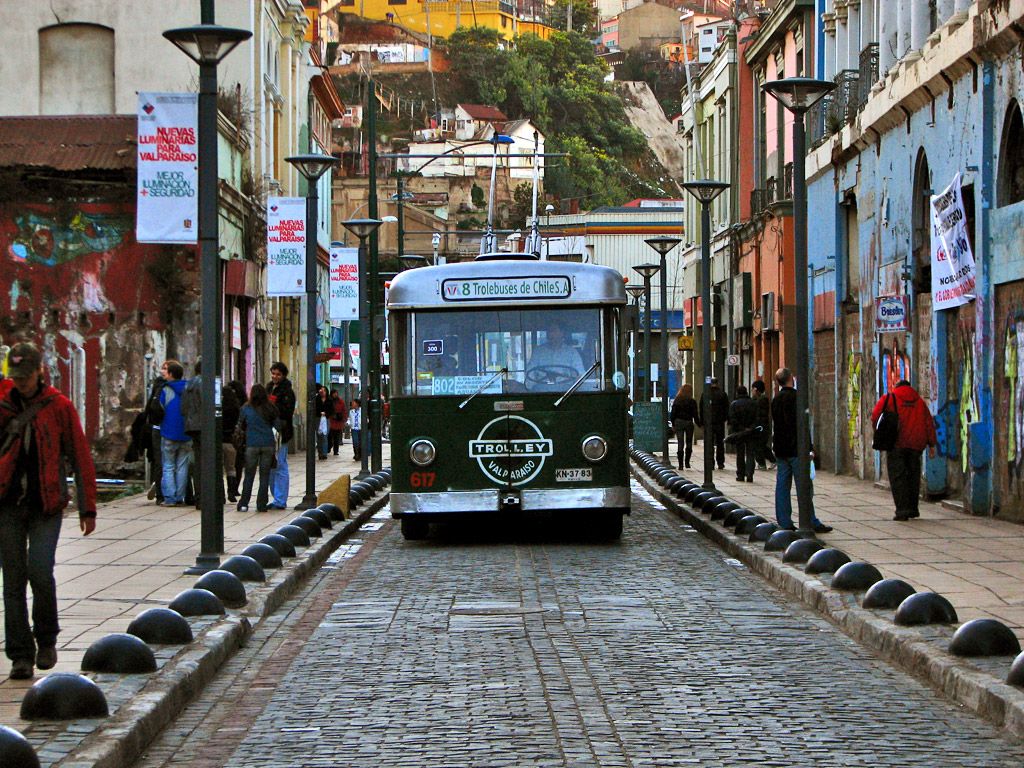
(399, 198)
(706, 190)
(637, 292)
(799, 94)
(206, 44)
(312, 167)
(362, 229)
(663, 245)
(647, 271)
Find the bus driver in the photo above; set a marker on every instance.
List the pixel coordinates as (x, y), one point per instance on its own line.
(554, 362)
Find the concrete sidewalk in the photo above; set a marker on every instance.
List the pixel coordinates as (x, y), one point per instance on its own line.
(136, 560)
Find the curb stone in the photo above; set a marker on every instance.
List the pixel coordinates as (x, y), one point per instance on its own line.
(122, 738)
(983, 693)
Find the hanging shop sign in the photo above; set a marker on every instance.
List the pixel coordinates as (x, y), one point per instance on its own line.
(892, 314)
(167, 162)
(952, 259)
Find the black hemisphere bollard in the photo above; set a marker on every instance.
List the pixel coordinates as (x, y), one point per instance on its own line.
(119, 653)
(692, 493)
(295, 535)
(800, 551)
(197, 602)
(15, 750)
(161, 626)
(733, 517)
(719, 509)
(374, 482)
(826, 561)
(1016, 675)
(283, 545)
(226, 586)
(984, 637)
(780, 540)
(674, 485)
(309, 526)
(363, 489)
(264, 554)
(244, 567)
(700, 501)
(763, 531)
(354, 500)
(887, 593)
(334, 512)
(747, 524)
(925, 608)
(319, 517)
(856, 577)
(64, 696)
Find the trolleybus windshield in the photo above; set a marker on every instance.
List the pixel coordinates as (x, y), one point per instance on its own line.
(541, 350)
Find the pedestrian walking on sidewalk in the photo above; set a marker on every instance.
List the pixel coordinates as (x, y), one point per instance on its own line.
(743, 419)
(175, 444)
(324, 409)
(784, 426)
(336, 422)
(39, 431)
(231, 407)
(257, 418)
(916, 432)
(282, 396)
(355, 423)
(715, 421)
(762, 442)
(154, 417)
(683, 416)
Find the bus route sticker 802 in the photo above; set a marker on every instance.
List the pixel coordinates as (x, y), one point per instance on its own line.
(510, 450)
(574, 475)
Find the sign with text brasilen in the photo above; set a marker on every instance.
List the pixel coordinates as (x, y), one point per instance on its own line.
(344, 284)
(167, 162)
(952, 259)
(286, 246)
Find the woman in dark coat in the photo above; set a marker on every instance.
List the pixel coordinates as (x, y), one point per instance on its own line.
(257, 418)
(683, 417)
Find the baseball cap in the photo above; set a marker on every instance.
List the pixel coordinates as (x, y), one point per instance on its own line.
(23, 360)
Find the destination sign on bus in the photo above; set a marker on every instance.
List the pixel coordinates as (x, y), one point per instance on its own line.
(466, 385)
(504, 288)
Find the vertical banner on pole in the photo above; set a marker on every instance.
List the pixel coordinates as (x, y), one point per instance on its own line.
(344, 284)
(167, 200)
(286, 246)
(952, 260)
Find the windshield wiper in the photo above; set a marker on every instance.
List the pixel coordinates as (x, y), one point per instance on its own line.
(483, 386)
(579, 381)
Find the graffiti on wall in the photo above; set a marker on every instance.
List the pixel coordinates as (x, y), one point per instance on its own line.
(853, 403)
(895, 366)
(1013, 371)
(42, 239)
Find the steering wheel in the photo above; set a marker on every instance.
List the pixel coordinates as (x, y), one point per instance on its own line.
(552, 374)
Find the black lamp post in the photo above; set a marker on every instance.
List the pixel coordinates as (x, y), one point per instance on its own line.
(637, 292)
(706, 190)
(799, 94)
(399, 198)
(663, 245)
(647, 271)
(312, 167)
(362, 229)
(206, 44)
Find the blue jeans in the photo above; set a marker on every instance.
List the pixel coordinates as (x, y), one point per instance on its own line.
(174, 475)
(28, 550)
(257, 459)
(785, 470)
(357, 444)
(279, 477)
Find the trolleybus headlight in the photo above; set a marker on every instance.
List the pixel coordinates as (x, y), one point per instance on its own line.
(595, 448)
(422, 453)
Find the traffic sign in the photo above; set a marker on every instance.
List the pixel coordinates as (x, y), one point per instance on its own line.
(732, 360)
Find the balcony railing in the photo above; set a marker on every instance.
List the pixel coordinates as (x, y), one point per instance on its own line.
(845, 101)
(868, 73)
(775, 190)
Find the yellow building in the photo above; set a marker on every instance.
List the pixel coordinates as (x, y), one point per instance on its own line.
(439, 18)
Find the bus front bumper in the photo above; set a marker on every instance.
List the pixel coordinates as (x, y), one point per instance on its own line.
(494, 500)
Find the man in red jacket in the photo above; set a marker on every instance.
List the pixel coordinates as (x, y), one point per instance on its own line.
(39, 430)
(903, 462)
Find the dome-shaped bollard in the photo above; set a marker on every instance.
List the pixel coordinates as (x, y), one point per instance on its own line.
(763, 531)
(244, 567)
(319, 517)
(121, 654)
(283, 545)
(692, 493)
(887, 593)
(374, 482)
(1016, 676)
(925, 608)
(363, 489)
(226, 586)
(15, 750)
(354, 500)
(984, 637)
(64, 696)
(197, 602)
(732, 519)
(675, 484)
(705, 501)
(748, 523)
(800, 551)
(295, 535)
(264, 554)
(161, 626)
(720, 509)
(856, 577)
(333, 511)
(308, 525)
(682, 490)
(780, 540)
(826, 561)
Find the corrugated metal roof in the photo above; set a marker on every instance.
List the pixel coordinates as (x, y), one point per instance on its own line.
(69, 142)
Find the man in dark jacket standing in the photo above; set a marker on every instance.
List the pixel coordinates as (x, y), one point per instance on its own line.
(719, 418)
(39, 429)
(762, 444)
(784, 428)
(903, 462)
(283, 397)
(743, 418)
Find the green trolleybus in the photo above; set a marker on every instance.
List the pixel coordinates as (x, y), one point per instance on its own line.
(508, 392)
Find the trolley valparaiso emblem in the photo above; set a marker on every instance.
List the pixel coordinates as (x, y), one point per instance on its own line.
(510, 450)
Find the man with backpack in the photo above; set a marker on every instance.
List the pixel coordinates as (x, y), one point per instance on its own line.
(192, 417)
(175, 444)
(903, 428)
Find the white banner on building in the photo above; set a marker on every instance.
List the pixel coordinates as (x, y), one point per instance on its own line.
(952, 259)
(286, 246)
(344, 284)
(167, 199)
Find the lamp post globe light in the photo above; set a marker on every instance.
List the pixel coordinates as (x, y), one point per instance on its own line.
(647, 271)
(312, 167)
(362, 229)
(705, 191)
(206, 44)
(799, 94)
(663, 245)
(637, 292)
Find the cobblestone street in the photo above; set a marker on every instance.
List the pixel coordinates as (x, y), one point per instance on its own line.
(489, 648)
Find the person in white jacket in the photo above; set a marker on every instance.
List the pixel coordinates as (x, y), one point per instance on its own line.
(355, 423)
